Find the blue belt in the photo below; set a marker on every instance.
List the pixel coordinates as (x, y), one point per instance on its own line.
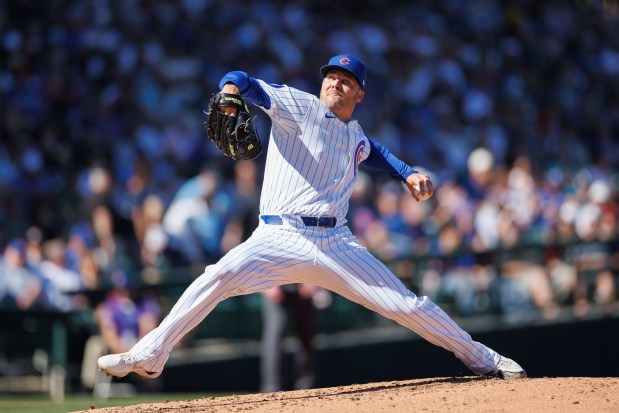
(320, 222)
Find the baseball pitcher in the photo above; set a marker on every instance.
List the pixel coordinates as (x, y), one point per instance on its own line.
(314, 152)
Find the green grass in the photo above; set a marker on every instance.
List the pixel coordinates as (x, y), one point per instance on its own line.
(74, 403)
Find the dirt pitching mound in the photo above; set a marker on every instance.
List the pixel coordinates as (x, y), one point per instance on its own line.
(461, 394)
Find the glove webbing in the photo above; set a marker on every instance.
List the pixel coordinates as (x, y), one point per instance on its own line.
(229, 100)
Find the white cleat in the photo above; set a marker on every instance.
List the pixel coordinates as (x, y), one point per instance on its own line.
(508, 369)
(120, 365)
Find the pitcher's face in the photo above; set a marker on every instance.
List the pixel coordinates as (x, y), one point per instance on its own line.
(340, 91)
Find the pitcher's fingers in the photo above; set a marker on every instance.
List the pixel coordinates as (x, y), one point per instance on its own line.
(430, 187)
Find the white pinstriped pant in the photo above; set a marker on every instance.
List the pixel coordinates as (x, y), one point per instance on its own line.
(331, 258)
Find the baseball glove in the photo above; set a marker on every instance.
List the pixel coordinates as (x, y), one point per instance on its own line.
(234, 135)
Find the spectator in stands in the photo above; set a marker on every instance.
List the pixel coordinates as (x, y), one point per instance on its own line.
(114, 254)
(147, 223)
(61, 284)
(464, 281)
(200, 218)
(525, 291)
(80, 258)
(189, 210)
(126, 315)
(19, 287)
(591, 257)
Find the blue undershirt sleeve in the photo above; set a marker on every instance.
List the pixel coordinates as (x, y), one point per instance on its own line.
(249, 87)
(384, 161)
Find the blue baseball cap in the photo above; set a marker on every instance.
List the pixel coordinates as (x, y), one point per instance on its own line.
(347, 62)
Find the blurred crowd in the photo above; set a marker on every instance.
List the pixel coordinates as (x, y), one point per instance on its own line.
(513, 108)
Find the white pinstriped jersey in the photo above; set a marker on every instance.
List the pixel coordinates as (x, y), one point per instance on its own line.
(313, 156)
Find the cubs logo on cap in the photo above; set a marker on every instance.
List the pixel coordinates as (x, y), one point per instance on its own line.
(347, 62)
